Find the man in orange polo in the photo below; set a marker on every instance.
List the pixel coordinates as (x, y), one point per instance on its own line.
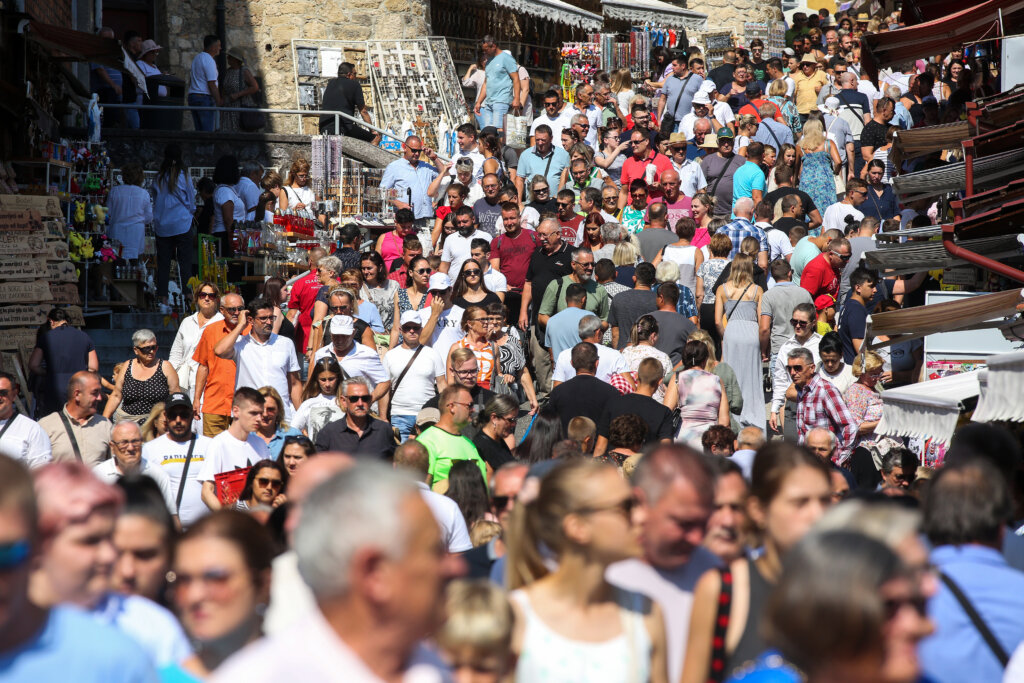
(215, 377)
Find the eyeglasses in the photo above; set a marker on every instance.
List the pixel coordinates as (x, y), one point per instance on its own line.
(480, 320)
(233, 309)
(422, 271)
(795, 368)
(585, 266)
(146, 349)
(265, 318)
(14, 554)
(509, 419)
(267, 482)
(214, 578)
(207, 295)
(127, 442)
(361, 398)
(467, 406)
(799, 323)
(471, 273)
(465, 373)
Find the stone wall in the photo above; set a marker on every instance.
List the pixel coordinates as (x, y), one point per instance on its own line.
(734, 13)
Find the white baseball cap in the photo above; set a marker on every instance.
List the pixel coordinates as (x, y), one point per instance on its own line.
(410, 317)
(701, 98)
(439, 282)
(830, 105)
(342, 324)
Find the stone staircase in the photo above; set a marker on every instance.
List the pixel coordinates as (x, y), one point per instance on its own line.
(114, 345)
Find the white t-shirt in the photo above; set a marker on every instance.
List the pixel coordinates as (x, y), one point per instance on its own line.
(417, 386)
(449, 518)
(300, 195)
(360, 361)
(221, 196)
(457, 250)
(261, 365)
(26, 441)
(314, 413)
(495, 281)
(226, 453)
(835, 215)
(609, 362)
(204, 70)
(107, 471)
(448, 329)
(250, 195)
(168, 456)
(779, 245)
(557, 124)
(153, 627)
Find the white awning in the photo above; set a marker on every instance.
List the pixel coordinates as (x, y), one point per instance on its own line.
(1001, 398)
(556, 10)
(929, 409)
(654, 12)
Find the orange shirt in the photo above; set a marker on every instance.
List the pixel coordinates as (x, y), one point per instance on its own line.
(484, 353)
(220, 381)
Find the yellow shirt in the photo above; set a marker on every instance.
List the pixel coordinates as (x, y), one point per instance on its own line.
(805, 93)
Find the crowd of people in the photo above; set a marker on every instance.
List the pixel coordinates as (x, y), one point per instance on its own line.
(601, 411)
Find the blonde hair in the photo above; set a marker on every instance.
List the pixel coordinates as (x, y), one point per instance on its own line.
(479, 618)
(745, 121)
(742, 272)
(300, 165)
(667, 271)
(778, 88)
(149, 426)
(483, 531)
(705, 338)
(622, 79)
(866, 363)
(813, 135)
(625, 254)
(271, 392)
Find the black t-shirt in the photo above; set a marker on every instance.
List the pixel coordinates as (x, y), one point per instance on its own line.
(344, 95)
(550, 206)
(785, 224)
(852, 325)
(491, 298)
(494, 453)
(583, 395)
(657, 417)
(780, 192)
(66, 351)
(722, 75)
(760, 70)
(873, 135)
(543, 269)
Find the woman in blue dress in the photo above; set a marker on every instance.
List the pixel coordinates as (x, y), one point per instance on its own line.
(819, 162)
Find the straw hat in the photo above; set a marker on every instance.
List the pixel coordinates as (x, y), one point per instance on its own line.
(809, 59)
(677, 138)
(710, 141)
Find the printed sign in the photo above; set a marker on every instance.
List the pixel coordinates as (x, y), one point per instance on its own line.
(48, 207)
(60, 271)
(23, 268)
(21, 316)
(21, 221)
(24, 292)
(15, 244)
(64, 294)
(56, 251)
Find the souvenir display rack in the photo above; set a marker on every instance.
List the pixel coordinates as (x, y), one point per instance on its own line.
(714, 44)
(316, 61)
(580, 61)
(772, 34)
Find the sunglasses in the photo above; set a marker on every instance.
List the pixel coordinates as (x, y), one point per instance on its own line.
(411, 328)
(14, 554)
(795, 368)
(471, 273)
(338, 309)
(893, 606)
(417, 150)
(267, 482)
(565, 205)
(207, 295)
(585, 266)
(422, 271)
(501, 502)
(799, 323)
(146, 349)
(215, 578)
(362, 398)
(234, 309)
(540, 190)
(842, 257)
(624, 506)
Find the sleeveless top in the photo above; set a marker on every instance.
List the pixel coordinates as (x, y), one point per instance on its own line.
(685, 258)
(138, 398)
(751, 643)
(550, 657)
(390, 249)
(405, 305)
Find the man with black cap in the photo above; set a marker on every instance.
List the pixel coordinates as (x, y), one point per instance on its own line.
(179, 454)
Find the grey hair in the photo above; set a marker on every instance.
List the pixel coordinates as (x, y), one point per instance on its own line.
(893, 91)
(250, 167)
(357, 508)
(581, 251)
(588, 326)
(847, 78)
(127, 423)
(744, 204)
(667, 271)
(576, 119)
(331, 263)
(361, 381)
(801, 353)
(611, 232)
(890, 460)
(142, 335)
(550, 220)
(831, 436)
(888, 523)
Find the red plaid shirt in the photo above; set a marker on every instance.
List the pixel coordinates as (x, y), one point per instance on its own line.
(819, 404)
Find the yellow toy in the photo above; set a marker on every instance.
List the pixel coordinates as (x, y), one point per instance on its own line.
(79, 213)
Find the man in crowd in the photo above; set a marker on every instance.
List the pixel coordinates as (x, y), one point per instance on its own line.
(510, 255)
(411, 178)
(635, 167)
(674, 489)
(802, 322)
(215, 376)
(609, 361)
(414, 371)
(494, 280)
(468, 150)
(78, 431)
(376, 601)
(497, 96)
(775, 325)
(719, 169)
(819, 403)
(505, 484)
(570, 222)
(641, 122)
(809, 82)
(839, 215)
(582, 273)
(695, 150)
(748, 181)
(127, 460)
(742, 227)
(854, 108)
(674, 329)
(655, 235)
(628, 306)
(180, 454)
(263, 358)
(748, 442)
(784, 178)
(584, 394)
(20, 437)
(442, 323)
(411, 248)
(721, 75)
(345, 94)
(202, 89)
(548, 263)
(821, 275)
(641, 403)
(464, 368)
(584, 105)
(874, 132)
(854, 315)
(544, 158)
(412, 457)
(358, 433)
(303, 296)
(445, 440)
(561, 329)
(770, 131)
(488, 207)
(357, 360)
(236, 447)
(728, 523)
(677, 93)
(837, 129)
(458, 247)
(552, 117)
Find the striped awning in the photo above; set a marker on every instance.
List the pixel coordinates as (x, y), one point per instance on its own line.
(557, 11)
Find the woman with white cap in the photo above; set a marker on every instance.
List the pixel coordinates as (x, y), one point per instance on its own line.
(237, 87)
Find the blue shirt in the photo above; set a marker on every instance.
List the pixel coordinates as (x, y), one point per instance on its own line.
(956, 651)
(369, 314)
(563, 329)
(276, 444)
(748, 177)
(882, 208)
(73, 646)
(531, 164)
(414, 181)
(693, 151)
(679, 99)
(769, 126)
(500, 70)
(902, 117)
(741, 228)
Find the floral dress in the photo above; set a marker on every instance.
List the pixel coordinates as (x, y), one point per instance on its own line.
(817, 180)
(865, 406)
(632, 219)
(700, 393)
(789, 112)
(634, 355)
(711, 270)
(383, 298)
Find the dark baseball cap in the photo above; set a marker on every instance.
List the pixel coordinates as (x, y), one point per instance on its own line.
(178, 400)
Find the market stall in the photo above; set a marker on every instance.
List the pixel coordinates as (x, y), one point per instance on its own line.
(1001, 389)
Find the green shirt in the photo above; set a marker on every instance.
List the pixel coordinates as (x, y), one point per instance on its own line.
(598, 301)
(445, 449)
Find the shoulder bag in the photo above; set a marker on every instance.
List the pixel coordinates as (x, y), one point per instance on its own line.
(71, 435)
(498, 384)
(668, 121)
(983, 630)
(184, 473)
(14, 416)
(718, 178)
(401, 376)
(718, 653)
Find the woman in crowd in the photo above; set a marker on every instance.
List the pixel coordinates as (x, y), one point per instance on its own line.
(237, 87)
(296, 450)
(129, 210)
(643, 337)
(699, 395)
(140, 383)
(467, 488)
(469, 288)
(702, 207)
(622, 87)
(627, 435)
(819, 161)
(545, 431)
(264, 486)
(720, 246)
(156, 423)
(515, 378)
(612, 155)
(571, 624)
(497, 429)
(570, 139)
(746, 128)
(725, 373)
(174, 200)
(272, 428)
(737, 312)
(476, 325)
(232, 552)
(298, 195)
(273, 291)
(228, 207)
(414, 296)
(592, 232)
(490, 147)
(876, 621)
(207, 298)
(787, 156)
(881, 202)
(320, 403)
(684, 253)
(352, 280)
(328, 270)
(144, 537)
(389, 245)
(456, 195)
(789, 490)
(862, 397)
(270, 199)
(377, 288)
(625, 257)
(791, 115)
(632, 215)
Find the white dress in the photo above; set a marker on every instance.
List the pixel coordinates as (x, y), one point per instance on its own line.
(129, 210)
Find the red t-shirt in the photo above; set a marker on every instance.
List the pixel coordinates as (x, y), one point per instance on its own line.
(819, 278)
(571, 230)
(303, 297)
(633, 169)
(515, 255)
(755, 105)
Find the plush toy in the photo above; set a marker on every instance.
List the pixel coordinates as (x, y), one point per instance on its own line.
(79, 246)
(99, 213)
(79, 213)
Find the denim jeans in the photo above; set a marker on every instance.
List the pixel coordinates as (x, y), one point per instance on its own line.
(182, 249)
(203, 120)
(493, 114)
(404, 424)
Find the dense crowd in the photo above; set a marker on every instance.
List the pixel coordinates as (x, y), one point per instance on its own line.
(600, 411)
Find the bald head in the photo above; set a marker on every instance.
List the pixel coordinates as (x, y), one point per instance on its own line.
(821, 442)
(702, 126)
(750, 438)
(413, 456)
(126, 429)
(232, 300)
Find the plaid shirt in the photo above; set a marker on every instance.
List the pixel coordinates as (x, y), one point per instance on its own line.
(741, 228)
(819, 404)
